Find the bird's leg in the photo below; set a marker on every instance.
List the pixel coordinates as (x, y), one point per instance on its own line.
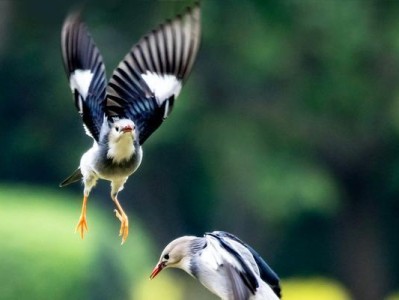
(120, 214)
(89, 181)
(82, 224)
(116, 187)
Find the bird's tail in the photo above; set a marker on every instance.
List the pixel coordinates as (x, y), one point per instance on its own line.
(76, 176)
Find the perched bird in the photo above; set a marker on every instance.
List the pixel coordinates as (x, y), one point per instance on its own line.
(140, 95)
(224, 264)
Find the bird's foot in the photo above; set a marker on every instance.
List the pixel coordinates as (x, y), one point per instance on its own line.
(81, 227)
(124, 231)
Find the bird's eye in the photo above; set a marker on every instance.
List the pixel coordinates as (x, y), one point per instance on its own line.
(166, 256)
(117, 128)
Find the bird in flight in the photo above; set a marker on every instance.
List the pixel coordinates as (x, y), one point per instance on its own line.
(120, 115)
(224, 264)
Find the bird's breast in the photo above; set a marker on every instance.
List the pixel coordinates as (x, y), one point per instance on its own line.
(108, 168)
(121, 151)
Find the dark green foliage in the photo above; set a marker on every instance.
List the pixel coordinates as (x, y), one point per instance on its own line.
(286, 133)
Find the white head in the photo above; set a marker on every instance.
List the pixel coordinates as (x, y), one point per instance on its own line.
(121, 129)
(177, 254)
(121, 137)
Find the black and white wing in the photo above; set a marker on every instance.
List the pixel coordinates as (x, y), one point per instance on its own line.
(86, 73)
(230, 242)
(239, 271)
(146, 83)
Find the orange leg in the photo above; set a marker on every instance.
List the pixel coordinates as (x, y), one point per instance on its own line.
(120, 214)
(82, 224)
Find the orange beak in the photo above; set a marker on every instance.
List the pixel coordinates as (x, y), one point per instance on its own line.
(156, 270)
(127, 129)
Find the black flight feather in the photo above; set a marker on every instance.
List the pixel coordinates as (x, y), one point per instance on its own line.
(80, 53)
(169, 50)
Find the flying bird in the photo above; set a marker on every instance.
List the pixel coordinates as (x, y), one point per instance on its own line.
(120, 115)
(224, 264)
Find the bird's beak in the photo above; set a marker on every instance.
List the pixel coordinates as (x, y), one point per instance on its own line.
(156, 270)
(127, 129)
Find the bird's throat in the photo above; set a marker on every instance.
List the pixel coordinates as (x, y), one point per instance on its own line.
(121, 150)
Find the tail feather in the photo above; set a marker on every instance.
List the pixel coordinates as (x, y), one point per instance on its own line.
(76, 176)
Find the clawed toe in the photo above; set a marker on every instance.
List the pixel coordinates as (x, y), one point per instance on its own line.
(124, 230)
(81, 227)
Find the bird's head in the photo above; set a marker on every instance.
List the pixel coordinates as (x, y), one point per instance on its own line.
(175, 255)
(123, 128)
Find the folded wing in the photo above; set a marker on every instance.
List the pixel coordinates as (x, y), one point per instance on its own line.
(266, 273)
(235, 260)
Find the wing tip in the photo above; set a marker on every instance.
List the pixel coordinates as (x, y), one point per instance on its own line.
(73, 16)
(75, 13)
(196, 7)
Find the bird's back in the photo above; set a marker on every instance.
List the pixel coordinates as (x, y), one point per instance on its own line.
(228, 269)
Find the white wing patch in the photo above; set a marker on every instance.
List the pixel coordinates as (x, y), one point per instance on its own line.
(163, 86)
(87, 131)
(212, 254)
(221, 255)
(246, 254)
(80, 80)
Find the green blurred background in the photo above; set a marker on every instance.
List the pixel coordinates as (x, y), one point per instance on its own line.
(286, 134)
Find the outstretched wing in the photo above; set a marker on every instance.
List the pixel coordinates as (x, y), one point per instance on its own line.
(266, 273)
(146, 83)
(86, 73)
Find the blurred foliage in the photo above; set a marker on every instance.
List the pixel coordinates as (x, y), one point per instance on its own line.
(313, 288)
(43, 259)
(286, 134)
(394, 296)
(164, 287)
